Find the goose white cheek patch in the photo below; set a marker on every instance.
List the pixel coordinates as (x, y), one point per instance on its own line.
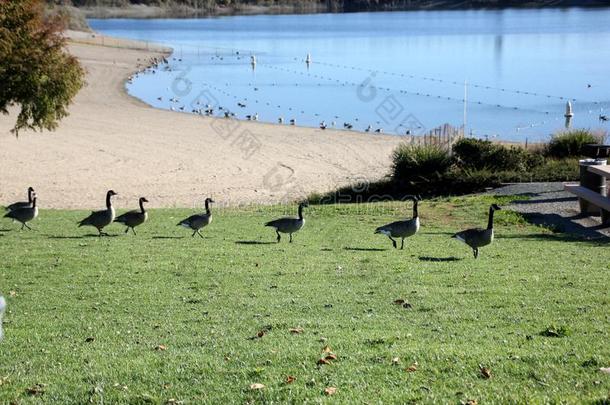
(2, 307)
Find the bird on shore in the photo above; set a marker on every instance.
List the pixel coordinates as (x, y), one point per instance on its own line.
(402, 229)
(22, 204)
(289, 225)
(603, 118)
(323, 125)
(479, 237)
(24, 214)
(134, 218)
(103, 218)
(198, 221)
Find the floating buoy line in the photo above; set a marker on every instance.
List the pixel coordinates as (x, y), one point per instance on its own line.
(249, 56)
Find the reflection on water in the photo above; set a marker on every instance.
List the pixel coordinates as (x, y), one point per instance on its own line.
(393, 72)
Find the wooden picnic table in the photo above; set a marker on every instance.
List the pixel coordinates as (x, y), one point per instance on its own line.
(603, 171)
(595, 198)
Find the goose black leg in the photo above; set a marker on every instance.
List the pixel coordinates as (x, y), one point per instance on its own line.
(290, 238)
(402, 244)
(126, 229)
(476, 252)
(193, 235)
(134, 231)
(22, 225)
(199, 233)
(279, 237)
(393, 242)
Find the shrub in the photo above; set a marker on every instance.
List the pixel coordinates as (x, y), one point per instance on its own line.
(414, 164)
(478, 154)
(570, 143)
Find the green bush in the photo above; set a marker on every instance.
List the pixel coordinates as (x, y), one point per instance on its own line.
(570, 143)
(416, 164)
(476, 154)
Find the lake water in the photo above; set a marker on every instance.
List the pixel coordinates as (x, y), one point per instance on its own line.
(396, 71)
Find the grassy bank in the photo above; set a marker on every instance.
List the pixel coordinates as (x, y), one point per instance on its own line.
(162, 317)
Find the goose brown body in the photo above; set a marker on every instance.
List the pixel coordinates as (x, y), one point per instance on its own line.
(198, 221)
(479, 237)
(25, 214)
(134, 218)
(288, 225)
(402, 229)
(103, 218)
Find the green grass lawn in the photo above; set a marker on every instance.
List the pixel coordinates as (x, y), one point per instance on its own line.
(162, 317)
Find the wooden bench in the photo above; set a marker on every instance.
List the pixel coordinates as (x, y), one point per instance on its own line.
(594, 198)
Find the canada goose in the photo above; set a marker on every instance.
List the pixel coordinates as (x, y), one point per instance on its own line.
(100, 219)
(288, 225)
(22, 204)
(402, 229)
(134, 218)
(198, 221)
(2, 308)
(24, 214)
(478, 237)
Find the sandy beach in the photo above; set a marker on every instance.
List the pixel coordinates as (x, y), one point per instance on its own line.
(112, 140)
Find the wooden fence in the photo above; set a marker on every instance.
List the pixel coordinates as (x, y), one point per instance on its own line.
(444, 137)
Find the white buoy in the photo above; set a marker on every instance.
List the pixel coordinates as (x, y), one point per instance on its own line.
(569, 113)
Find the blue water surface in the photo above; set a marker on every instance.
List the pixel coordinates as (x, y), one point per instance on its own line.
(397, 71)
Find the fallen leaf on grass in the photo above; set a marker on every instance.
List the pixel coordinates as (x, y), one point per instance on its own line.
(399, 301)
(261, 332)
(290, 379)
(12, 293)
(330, 391)
(295, 331)
(256, 386)
(89, 339)
(411, 368)
(173, 401)
(406, 305)
(605, 370)
(485, 372)
(323, 362)
(469, 402)
(326, 349)
(161, 348)
(37, 389)
(395, 361)
(331, 357)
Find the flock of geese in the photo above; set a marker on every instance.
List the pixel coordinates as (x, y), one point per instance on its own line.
(26, 211)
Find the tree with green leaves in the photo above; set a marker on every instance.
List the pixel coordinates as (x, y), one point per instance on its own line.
(36, 72)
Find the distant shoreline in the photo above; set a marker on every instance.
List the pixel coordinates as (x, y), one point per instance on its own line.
(175, 10)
